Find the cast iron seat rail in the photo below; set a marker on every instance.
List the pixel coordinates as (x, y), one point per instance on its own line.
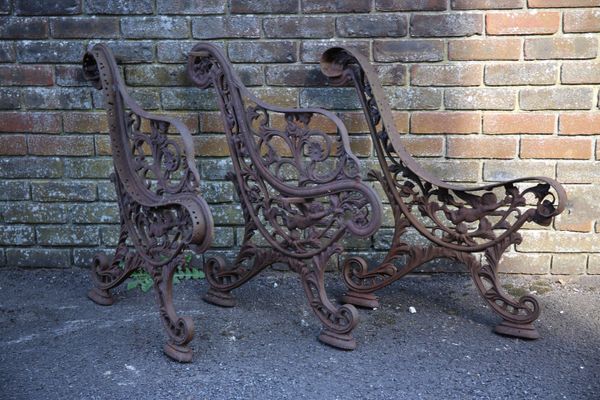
(298, 187)
(161, 210)
(458, 221)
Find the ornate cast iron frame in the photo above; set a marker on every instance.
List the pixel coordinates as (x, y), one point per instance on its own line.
(161, 210)
(298, 187)
(458, 221)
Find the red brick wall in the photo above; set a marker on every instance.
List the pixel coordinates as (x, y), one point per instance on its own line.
(484, 90)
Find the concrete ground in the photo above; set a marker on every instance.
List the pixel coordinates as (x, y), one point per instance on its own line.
(57, 344)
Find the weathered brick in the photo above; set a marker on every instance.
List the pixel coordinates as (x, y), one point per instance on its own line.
(578, 172)
(453, 170)
(424, 146)
(414, 98)
(13, 145)
(557, 148)
(34, 213)
(250, 74)
(521, 263)
(556, 98)
(408, 50)
(482, 147)
(38, 122)
(119, 7)
(410, 5)
(500, 171)
(5, 6)
(47, 7)
(156, 75)
(311, 50)
(84, 168)
(147, 98)
(57, 98)
(170, 51)
(391, 74)
(10, 99)
(38, 258)
(188, 99)
(446, 25)
(217, 192)
(84, 27)
(593, 264)
(106, 191)
(85, 122)
(299, 27)
(582, 21)
(484, 49)
(569, 264)
(49, 51)
(295, 75)
(329, 98)
(479, 99)
(67, 235)
(63, 191)
(109, 235)
(558, 242)
(215, 169)
(213, 27)
(50, 145)
(263, 52)
(584, 123)
(446, 75)
(562, 3)
(26, 75)
(529, 73)
(486, 4)
(579, 47)
(518, 123)
(94, 213)
(16, 235)
(581, 209)
(14, 190)
(7, 52)
(371, 26)
(227, 214)
(83, 257)
(130, 52)
(445, 122)
(191, 7)
(522, 23)
(211, 146)
(155, 27)
(580, 72)
(263, 6)
(23, 28)
(28, 167)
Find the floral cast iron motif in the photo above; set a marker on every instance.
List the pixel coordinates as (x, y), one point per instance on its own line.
(458, 221)
(161, 210)
(299, 187)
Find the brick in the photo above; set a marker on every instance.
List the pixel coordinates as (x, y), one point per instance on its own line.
(33, 213)
(295, 75)
(7, 52)
(445, 122)
(501, 171)
(577, 21)
(119, 7)
(479, 99)
(46, 145)
(446, 75)
(217, 192)
(484, 49)
(336, 6)
(85, 169)
(556, 98)
(10, 99)
(63, 191)
(391, 74)
(263, 52)
(14, 190)
(191, 7)
(561, 48)
(580, 72)
(49, 51)
(578, 172)
(38, 258)
(95, 213)
(453, 170)
(522, 23)
(371, 26)
(250, 75)
(17, 235)
(424, 146)
(156, 74)
(520, 263)
(581, 209)
(29, 167)
(557, 242)
(215, 169)
(175, 51)
(147, 98)
(155, 27)
(263, 6)
(106, 192)
(557, 148)
(13, 145)
(47, 7)
(414, 98)
(188, 99)
(227, 214)
(446, 25)
(569, 264)
(214, 27)
(408, 50)
(299, 27)
(26, 75)
(311, 50)
(57, 98)
(486, 4)
(84, 27)
(579, 124)
(410, 5)
(529, 73)
(67, 235)
(131, 52)
(518, 123)
(85, 122)
(329, 98)
(481, 147)
(23, 28)
(562, 3)
(211, 146)
(5, 6)
(15, 122)
(593, 264)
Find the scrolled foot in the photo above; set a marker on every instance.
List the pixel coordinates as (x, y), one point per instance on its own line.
(342, 341)
(523, 331)
(364, 300)
(182, 354)
(219, 298)
(101, 297)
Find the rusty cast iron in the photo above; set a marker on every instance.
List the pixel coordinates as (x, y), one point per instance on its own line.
(299, 188)
(161, 210)
(459, 222)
